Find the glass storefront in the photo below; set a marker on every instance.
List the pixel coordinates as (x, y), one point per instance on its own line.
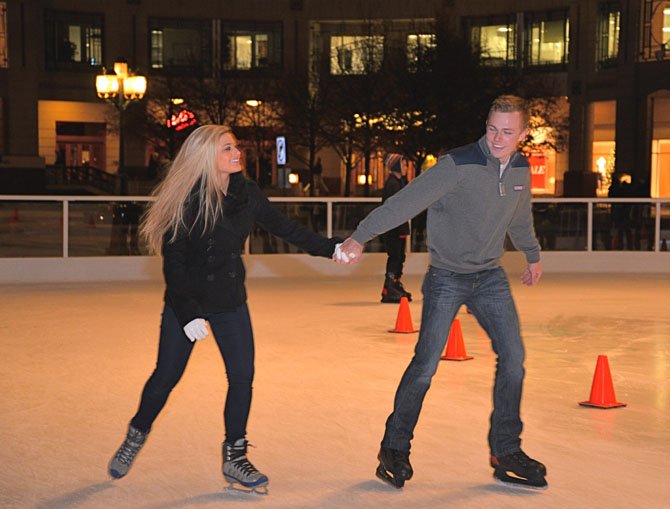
(660, 148)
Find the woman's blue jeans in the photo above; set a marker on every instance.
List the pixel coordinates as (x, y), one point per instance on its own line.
(234, 337)
(487, 295)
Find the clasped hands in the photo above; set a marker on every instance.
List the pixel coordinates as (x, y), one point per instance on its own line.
(348, 252)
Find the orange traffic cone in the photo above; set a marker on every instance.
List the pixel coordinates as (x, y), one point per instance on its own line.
(403, 323)
(602, 389)
(455, 350)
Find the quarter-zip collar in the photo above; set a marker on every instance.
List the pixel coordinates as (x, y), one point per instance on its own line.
(485, 149)
(493, 163)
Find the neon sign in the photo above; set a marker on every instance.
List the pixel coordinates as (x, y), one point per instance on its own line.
(181, 120)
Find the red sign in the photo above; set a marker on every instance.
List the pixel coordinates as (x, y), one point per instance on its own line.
(181, 120)
(538, 170)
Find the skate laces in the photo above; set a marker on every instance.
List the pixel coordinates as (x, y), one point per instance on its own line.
(244, 466)
(237, 456)
(131, 446)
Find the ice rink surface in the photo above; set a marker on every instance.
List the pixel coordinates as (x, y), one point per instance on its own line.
(75, 358)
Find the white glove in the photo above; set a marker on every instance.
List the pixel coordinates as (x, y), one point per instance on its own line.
(339, 256)
(196, 329)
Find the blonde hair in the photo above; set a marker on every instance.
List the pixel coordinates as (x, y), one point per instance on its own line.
(195, 164)
(511, 104)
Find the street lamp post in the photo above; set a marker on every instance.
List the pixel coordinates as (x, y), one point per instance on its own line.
(120, 89)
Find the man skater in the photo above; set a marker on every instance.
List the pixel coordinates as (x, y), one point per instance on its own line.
(475, 196)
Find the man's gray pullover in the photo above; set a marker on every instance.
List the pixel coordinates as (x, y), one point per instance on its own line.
(470, 209)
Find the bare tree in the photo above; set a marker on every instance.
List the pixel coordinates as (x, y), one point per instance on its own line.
(259, 121)
(357, 86)
(308, 114)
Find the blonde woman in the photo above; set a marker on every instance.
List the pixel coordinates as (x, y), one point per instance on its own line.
(203, 213)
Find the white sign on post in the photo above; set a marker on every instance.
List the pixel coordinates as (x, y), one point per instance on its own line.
(281, 150)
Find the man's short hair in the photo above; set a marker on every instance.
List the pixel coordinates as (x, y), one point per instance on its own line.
(510, 104)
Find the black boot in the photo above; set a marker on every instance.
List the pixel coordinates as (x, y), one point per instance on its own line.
(393, 290)
(401, 289)
(525, 470)
(394, 467)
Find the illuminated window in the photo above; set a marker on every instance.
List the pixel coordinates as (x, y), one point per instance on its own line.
(73, 40)
(547, 38)
(4, 59)
(609, 24)
(420, 50)
(494, 39)
(252, 46)
(247, 51)
(603, 145)
(157, 49)
(655, 30)
(179, 43)
(660, 147)
(356, 54)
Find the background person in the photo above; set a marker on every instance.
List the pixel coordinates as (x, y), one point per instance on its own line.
(395, 239)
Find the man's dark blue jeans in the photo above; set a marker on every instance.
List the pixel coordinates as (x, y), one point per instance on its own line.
(487, 295)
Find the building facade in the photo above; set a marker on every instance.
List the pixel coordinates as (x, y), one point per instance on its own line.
(606, 63)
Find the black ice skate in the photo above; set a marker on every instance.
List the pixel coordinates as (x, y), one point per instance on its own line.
(393, 290)
(239, 471)
(394, 467)
(517, 469)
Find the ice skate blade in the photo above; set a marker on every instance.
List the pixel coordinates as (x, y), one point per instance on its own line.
(384, 476)
(235, 485)
(241, 488)
(516, 483)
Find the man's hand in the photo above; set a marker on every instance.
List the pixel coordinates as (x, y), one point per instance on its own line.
(196, 329)
(349, 251)
(532, 274)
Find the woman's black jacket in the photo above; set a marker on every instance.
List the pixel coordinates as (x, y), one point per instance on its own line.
(204, 272)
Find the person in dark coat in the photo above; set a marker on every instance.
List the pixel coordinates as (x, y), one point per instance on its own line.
(395, 239)
(203, 212)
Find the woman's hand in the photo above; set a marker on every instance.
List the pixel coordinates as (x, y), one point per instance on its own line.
(196, 329)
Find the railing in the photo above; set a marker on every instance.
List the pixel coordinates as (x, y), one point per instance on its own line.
(93, 226)
(85, 177)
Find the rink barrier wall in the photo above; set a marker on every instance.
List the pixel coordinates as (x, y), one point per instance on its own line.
(65, 268)
(148, 268)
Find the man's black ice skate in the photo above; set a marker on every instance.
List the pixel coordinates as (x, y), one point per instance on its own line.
(394, 467)
(393, 290)
(518, 469)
